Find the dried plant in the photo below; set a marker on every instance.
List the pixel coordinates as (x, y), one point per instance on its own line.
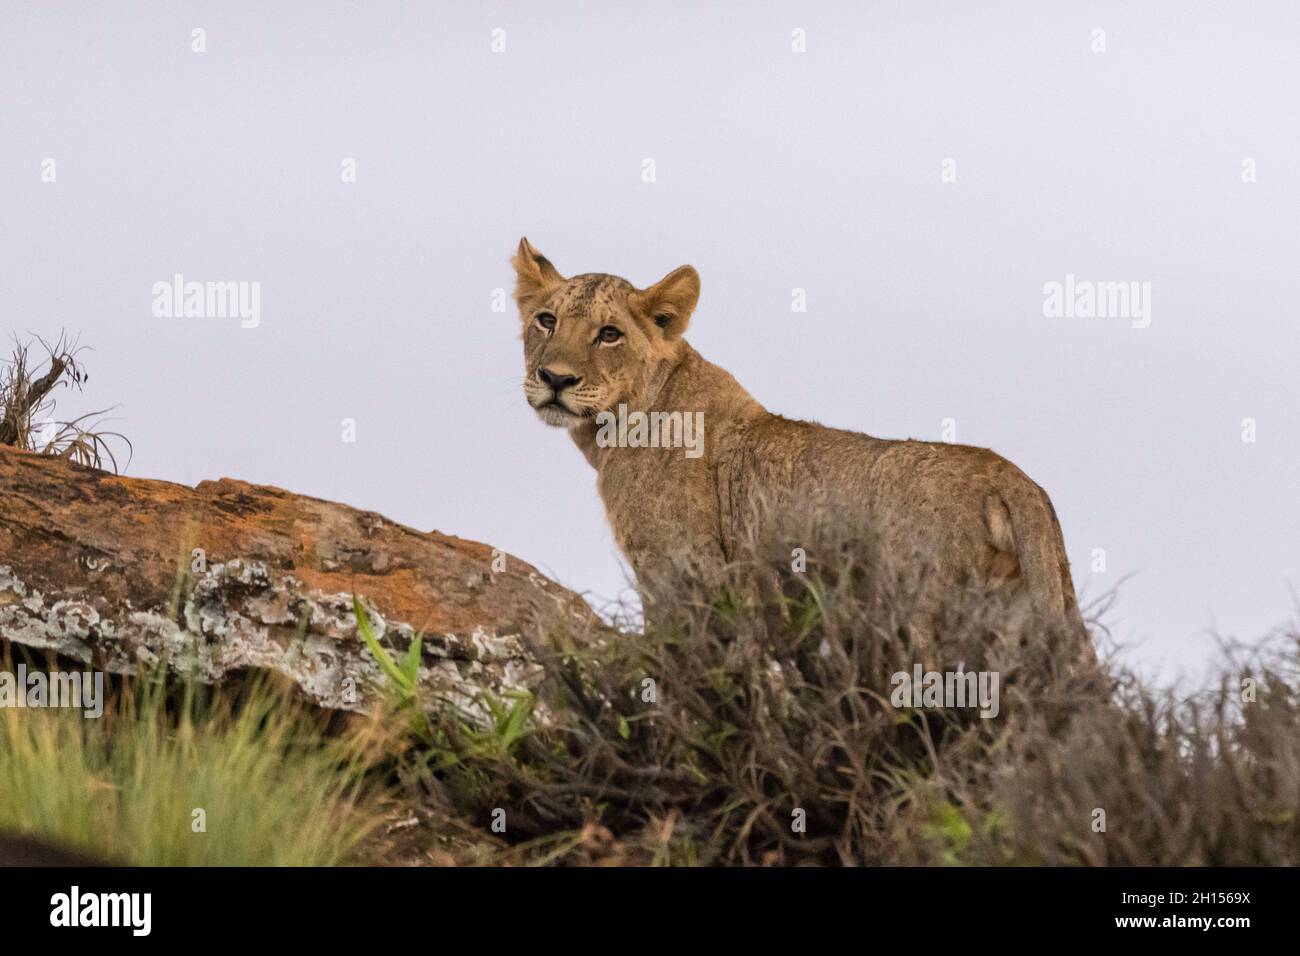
(27, 406)
(765, 697)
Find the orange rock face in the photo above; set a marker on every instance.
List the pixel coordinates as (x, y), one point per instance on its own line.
(116, 571)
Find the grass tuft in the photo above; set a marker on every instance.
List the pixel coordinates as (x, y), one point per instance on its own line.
(272, 786)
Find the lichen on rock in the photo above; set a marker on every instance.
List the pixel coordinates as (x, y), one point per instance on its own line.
(121, 573)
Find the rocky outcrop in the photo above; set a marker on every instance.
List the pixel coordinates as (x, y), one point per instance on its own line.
(119, 572)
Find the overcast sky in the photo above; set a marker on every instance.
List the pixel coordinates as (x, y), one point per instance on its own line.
(921, 170)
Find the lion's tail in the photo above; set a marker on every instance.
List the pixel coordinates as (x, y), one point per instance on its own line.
(1040, 547)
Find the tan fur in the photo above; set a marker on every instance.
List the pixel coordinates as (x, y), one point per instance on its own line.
(974, 514)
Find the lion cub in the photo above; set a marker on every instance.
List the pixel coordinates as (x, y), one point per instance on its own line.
(607, 361)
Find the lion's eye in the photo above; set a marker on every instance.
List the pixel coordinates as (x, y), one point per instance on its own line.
(609, 335)
(545, 320)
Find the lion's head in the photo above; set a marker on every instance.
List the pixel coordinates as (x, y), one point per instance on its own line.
(594, 341)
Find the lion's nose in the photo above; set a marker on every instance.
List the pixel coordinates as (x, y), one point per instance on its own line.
(558, 381)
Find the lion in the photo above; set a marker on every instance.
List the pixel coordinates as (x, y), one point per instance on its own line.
(595, 346)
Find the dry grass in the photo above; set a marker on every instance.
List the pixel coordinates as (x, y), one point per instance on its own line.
(768, 709)
(27, 406)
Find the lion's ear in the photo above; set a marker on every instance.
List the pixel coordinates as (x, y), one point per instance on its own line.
(534, 275)
(669, 303)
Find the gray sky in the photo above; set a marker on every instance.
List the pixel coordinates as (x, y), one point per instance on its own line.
(775, 170)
